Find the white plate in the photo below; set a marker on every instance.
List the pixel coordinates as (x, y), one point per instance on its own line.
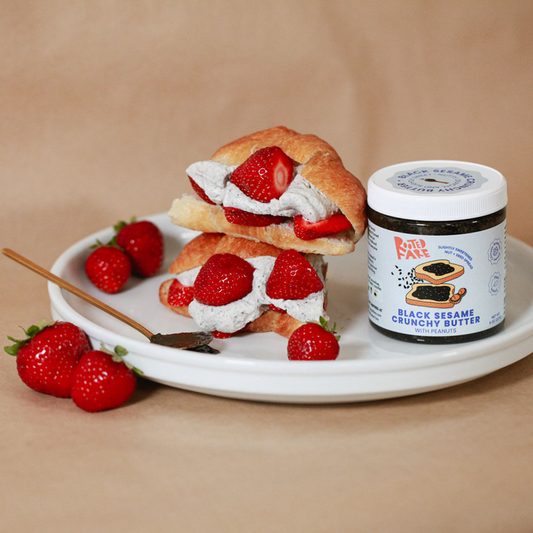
(255, 366)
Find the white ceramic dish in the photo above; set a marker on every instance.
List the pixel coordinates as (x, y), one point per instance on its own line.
(255, 366)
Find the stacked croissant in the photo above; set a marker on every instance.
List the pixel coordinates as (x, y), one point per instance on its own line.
(269, 207)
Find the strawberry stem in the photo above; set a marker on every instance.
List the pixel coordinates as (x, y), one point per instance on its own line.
(117, 356)
(332, 329)
(111, 244)
(31, 332)
(121, 224)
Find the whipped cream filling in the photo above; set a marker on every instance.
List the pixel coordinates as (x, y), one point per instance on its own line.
(236, 315)
(301, 197)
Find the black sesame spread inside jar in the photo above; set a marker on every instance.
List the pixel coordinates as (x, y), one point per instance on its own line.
(441, 224)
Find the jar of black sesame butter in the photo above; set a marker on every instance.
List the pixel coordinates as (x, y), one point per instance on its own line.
(437, 251)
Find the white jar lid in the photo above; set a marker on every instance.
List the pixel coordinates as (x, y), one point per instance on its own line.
(437, 190)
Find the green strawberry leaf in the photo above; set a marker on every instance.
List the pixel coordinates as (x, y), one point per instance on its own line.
(135, 370)
(122, 224)
(112, 244)
(29, 333)
(106, 350)
(119, 225)
(32, 331)
(11, 350)
(118, 355)
(120, 351)
(332, 329)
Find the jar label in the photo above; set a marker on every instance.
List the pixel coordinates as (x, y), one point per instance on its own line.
(436, 285)
(437, 180)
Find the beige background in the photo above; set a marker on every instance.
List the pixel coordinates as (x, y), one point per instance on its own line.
(103, 104)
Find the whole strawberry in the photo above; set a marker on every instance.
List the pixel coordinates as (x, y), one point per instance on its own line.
(143, 243)
(292, 277)
(102, 380)
(108, 268)
(47, 357)
(313, 342)
(265, 175)
(224, 278)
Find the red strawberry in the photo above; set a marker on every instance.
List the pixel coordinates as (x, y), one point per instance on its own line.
(292, 277)
(143, 243)
(200, 192)
(223, 279)
(272, 307)
(221, 335)
(265, 175)
(102, 380)
(313, 230)
(179, 294)
(244, 218)
(313, 342)
(47, 357)
(108, 268)
(224, 335)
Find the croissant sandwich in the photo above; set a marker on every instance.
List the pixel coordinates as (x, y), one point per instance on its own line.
(229, 284)
(279, 187)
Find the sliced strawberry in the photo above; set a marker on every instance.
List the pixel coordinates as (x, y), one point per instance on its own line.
(272, 307)
(179, 294)
(245, 218)
(223, 279)
(221, 335)
(313, 230)
(200, 192)
(224, 335)
(265, 175)
(292, 277)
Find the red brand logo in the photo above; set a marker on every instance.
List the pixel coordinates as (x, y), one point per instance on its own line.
(411, 248)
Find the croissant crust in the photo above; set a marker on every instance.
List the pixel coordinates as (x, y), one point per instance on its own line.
(321, 166)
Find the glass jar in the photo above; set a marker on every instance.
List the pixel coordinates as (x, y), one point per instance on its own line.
(437, 251)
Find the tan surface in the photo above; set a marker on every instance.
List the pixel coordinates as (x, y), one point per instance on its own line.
(102, 106)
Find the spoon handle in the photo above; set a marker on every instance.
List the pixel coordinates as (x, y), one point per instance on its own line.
(75, 290)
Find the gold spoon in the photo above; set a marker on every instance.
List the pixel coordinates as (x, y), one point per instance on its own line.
(197, 341)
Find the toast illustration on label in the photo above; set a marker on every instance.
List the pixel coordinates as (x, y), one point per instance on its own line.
(428, 295)
(439, 271)
(437, 293)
